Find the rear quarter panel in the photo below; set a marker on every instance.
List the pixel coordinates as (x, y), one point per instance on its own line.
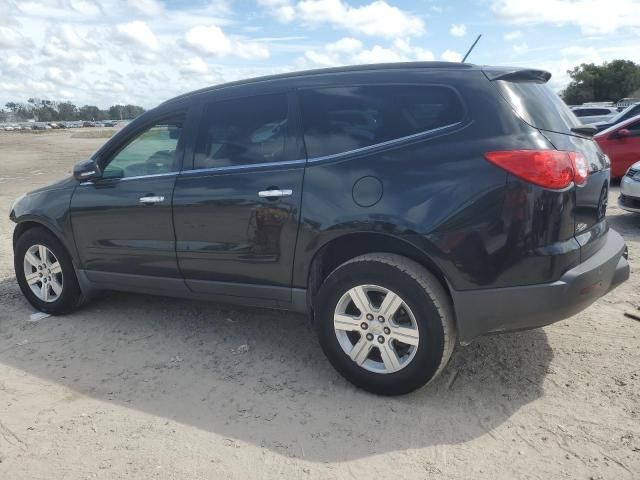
(441, 195)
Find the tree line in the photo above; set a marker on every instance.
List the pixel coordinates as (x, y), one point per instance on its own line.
(608, 82)
(52, 111)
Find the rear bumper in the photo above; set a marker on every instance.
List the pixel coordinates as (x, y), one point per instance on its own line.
(479, 312)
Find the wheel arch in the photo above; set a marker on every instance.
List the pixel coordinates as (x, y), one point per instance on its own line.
(28, 223)
(339, 250)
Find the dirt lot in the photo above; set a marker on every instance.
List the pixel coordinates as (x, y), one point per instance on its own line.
(147, 387)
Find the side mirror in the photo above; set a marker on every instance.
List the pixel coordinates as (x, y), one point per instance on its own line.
(623, 133)
(86, 170)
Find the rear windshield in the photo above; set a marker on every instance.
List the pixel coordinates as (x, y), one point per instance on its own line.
(538, 105)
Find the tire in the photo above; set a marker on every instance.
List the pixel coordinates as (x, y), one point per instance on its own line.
(424, 318)
(63, 274)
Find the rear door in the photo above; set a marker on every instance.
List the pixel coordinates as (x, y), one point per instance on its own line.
(237, 207)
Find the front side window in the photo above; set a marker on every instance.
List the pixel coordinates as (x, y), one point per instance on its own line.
(150, 153)
(242, 131)
(339, 119)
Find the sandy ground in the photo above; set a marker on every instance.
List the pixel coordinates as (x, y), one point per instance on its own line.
(143, 387)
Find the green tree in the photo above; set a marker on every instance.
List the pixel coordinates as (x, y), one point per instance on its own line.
(89, 112)
(67, 111)
(610, 81)
(132, 111)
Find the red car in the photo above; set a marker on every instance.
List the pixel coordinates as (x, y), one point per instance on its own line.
(622, 144)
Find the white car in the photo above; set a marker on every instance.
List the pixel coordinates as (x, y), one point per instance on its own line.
(630, 189)
(588, 115)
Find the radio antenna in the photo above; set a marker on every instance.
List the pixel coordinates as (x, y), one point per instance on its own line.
(469, 51)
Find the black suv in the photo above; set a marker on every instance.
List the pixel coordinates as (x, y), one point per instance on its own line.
(406, 207)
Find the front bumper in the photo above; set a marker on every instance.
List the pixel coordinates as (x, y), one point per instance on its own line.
(479, 312)
(629, 194)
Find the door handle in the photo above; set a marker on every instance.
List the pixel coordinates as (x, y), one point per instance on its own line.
(276, 193)
(151, 199)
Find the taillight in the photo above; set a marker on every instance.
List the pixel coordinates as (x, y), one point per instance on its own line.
(547, 168)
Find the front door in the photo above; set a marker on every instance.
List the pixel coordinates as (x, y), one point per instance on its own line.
(122, 222)
(236, 211)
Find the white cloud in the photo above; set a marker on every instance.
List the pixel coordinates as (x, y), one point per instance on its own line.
(352, 51)
(451, 56)
(62, 77)
(15, 61)
(514, 35)
(139, 33)
(212, 40)
(10, 38)
(592, 16)
(67, 46)
(281, 10)
(76, 10)
(377, 18)
(520, 48)
(458, 30)
(379, 54)
(194, 65)
(150, 8)
(345, 45)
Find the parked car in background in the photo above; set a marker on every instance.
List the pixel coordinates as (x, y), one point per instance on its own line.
(588, 115)
(629, 112)
(621, 143)
(9, 128)
(626, 102)
(441, 202)
(88, 124)
(630, 189)
(108, 123)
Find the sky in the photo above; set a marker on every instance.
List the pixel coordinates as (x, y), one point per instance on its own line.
(103, 52)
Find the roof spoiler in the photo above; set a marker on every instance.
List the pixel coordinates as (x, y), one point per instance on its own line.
(517, 74)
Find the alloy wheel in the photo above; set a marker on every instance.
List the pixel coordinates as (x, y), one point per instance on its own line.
(376, 329)
(43, 273)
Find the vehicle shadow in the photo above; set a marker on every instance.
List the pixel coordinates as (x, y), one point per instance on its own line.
(259, 376)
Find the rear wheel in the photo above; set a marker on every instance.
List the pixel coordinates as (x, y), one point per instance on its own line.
(45, 272)
(385, 323)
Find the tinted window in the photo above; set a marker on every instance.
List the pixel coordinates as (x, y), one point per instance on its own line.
(635, 128)
(150, 153)
(627, 113)
(346, 118)
(538, 105)
(242, 131)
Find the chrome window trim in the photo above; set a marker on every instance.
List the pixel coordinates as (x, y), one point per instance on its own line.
(334, 156)
(126, 179)
(242, 167)
(388, 143)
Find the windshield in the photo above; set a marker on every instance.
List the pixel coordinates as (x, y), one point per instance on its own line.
(626, 113)
(538, 105)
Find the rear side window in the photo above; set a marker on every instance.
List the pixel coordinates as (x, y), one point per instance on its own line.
(538, 105)
(339, 119)
(242, 131)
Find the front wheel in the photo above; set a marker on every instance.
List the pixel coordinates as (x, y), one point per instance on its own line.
(385, 323)
(45, 272)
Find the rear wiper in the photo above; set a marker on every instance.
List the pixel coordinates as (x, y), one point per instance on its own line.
(586, 130)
